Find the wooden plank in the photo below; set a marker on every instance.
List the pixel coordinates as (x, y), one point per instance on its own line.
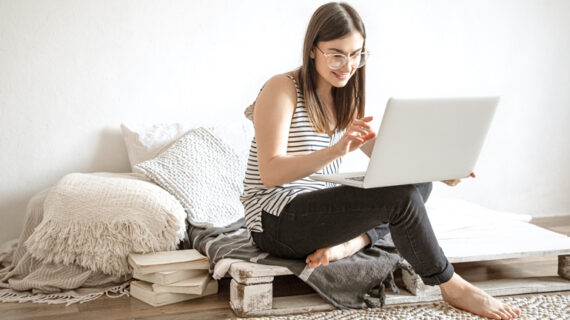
(249, 281)
(414, 284)
(564, 267)
(244, 270)
(248, 298)
(504, 287)
(513, 255)
(500, 287)
(517, 240)
(291, 305)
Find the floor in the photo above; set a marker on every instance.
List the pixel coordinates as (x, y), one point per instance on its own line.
(217, 306)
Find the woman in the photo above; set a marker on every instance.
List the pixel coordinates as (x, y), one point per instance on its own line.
(305, 121)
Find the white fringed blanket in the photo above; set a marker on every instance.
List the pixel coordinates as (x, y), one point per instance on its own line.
(95, 220)
(26, 279)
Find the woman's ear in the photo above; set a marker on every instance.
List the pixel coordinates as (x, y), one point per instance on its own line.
(312, 53)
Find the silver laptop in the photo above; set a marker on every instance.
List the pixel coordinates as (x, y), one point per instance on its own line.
(421, 140)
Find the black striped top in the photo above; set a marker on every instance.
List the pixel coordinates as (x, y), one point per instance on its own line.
(303, 139)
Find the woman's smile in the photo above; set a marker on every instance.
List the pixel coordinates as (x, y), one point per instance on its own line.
(341, 76)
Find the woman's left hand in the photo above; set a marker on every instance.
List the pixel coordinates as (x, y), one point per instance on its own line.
(455, 182)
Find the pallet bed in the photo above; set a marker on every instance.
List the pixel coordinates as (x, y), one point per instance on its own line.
(251, 289)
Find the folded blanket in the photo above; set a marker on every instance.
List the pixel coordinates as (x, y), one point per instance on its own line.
(26, 279)
(347, 283)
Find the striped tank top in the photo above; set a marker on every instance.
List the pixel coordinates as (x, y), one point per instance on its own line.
(303, 139)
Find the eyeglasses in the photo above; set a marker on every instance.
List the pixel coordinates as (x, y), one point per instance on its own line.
(338, 60)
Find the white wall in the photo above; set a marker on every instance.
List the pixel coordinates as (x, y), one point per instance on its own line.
(72, 71)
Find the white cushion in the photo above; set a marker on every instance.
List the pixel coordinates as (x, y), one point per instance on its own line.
(146, 141)
(204, 174)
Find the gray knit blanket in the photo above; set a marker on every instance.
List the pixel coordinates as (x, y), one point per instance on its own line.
(354, 282)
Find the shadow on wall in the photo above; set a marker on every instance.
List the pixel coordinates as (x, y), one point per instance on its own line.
(14, 211)
(110, 154)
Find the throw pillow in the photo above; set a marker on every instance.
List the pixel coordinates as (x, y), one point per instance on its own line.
(145, 142)
(204, 174)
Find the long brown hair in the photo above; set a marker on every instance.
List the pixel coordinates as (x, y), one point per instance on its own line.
(329, 22)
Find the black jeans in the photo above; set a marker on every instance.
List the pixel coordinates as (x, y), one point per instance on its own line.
(328, 217)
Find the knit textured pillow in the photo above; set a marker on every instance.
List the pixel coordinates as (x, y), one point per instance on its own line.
(204, 174)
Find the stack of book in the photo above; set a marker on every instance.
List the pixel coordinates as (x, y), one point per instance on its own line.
(171, 276)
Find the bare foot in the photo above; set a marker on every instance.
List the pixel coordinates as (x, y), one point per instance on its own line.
(463, 295)
(325, 255)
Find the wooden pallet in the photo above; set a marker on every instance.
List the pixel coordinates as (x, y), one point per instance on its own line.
(251, 289)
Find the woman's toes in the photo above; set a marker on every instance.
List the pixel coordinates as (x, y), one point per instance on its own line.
(503, 315)
(512, 312)
(517, 312)
(493, 315)
(324, 261)
(311, 261)
(317, 258)
(316, 261)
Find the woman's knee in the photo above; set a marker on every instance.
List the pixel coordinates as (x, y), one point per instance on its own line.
(410, 201)
(411, 193)
(425, 190)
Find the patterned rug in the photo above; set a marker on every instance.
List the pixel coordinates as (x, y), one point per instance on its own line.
(535, 307)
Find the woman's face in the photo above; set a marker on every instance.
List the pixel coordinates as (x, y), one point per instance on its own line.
(349, 45)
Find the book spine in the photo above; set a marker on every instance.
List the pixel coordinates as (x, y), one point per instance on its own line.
(194, 265)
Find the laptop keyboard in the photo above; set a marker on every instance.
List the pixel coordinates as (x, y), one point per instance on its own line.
(359, 178)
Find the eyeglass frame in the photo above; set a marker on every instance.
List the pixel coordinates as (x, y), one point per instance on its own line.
(346, 58)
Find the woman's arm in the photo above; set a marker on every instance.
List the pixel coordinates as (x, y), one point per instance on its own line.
(272, 118)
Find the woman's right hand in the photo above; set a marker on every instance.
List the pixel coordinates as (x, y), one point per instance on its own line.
(355, 136)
